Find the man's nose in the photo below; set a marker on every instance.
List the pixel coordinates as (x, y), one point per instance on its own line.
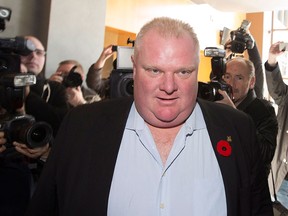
(168, 83)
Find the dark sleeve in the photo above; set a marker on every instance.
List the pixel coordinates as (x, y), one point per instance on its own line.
(95, 81)
(254, 56)
(266, 131)
(276, 86)
(52, 111)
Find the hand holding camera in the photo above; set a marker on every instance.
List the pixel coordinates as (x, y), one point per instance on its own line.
(75, 96)
(241, 39)
(210, 91)
(31, 152)
(275, 50)
(226, 99)
(57, 77)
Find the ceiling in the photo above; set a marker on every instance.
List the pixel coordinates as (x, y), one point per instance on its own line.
(247, 6)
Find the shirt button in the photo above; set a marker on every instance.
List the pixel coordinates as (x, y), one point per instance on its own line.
(162, 206)
(284, 161)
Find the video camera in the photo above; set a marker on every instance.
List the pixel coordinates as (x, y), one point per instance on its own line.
(17, 127)
(121, 78)
(240, 39)
(209, 91)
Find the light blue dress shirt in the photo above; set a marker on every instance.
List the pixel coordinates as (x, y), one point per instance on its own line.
(190, 183)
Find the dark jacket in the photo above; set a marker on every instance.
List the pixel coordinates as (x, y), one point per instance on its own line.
(47, 101)
(278, 90)
(264, 118)
(77, 176)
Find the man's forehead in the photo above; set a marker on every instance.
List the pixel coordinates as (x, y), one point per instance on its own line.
(36, 42)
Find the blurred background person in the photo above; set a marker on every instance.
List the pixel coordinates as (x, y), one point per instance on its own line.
(46, 100)
(20, 163)
(279, 92)
(77, 94)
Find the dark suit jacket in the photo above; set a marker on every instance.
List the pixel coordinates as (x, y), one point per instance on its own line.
(76, 179)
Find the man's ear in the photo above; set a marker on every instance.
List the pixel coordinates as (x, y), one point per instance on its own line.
(134, 65)
(252, 82)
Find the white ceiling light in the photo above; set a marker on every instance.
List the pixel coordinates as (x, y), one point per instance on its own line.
(247, 6)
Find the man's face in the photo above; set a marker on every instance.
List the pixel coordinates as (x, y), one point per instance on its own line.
(237, 75)
(165, 79)
(34, 62)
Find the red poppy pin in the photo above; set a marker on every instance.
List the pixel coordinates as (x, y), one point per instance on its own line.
(224, 148)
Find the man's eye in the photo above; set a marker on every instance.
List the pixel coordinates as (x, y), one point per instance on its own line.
(226, 77)
(239, 78)
(152, 71)
(185, 73)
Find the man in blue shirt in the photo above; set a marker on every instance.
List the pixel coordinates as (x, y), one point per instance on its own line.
(165, 153)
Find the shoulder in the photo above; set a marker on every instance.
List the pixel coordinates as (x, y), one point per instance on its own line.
(217, 110)
(261, 105)
(108, 109)
(218, 115)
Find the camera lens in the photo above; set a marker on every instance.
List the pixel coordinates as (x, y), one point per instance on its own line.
(129, 87)
(206, 91)
(39, 134)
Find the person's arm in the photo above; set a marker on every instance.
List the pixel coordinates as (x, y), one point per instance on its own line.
(254, 56)
(94, 76)
(226, 99)
(266, 131)
(276, 86)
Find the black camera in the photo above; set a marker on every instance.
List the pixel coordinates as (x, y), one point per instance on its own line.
(240, 39)
(73, 79)
(121, 78)
(18, 127)
(24, 129)
(209, 91)
(121, 83)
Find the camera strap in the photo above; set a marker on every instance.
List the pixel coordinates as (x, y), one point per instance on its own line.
(46, 92)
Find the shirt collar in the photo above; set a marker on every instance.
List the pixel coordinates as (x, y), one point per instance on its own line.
(194, 122)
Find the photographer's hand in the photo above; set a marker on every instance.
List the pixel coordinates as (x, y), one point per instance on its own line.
(75, 96)
(31, 153)
(57, 77)
(274, 52)
(106, 53)
(226, 99)
(2, 142)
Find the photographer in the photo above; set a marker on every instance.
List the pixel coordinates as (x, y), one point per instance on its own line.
(70, 73)
(254, 57)
(46, 100)
(15, 173)
(240, 74)
(277, 88)
(21, 165)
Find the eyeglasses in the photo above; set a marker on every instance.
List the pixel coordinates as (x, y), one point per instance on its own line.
(39, 52)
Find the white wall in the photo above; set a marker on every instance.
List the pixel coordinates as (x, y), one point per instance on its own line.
(207, 21)
(76, 31)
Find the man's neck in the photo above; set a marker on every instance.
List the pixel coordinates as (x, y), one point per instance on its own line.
(164, 139)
